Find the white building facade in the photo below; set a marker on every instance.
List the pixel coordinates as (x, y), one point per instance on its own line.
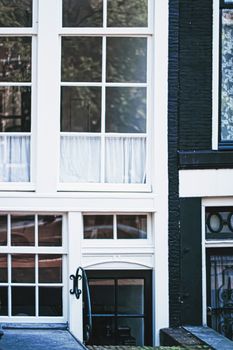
(84, 179)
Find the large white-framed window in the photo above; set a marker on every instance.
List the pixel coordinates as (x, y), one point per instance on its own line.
(217, 255)
(17, 95)
(33, 267)
(106, 119)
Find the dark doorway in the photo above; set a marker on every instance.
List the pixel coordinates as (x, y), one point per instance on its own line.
(121, 307)
(220, 290)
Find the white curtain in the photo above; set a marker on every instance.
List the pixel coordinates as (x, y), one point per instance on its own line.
(80, 159)
(221, 293)
(125, 160)
(14, 158)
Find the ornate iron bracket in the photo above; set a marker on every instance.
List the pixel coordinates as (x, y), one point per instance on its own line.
(76, 278)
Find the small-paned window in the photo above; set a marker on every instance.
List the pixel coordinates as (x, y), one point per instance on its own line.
(15, 90)
(104, 92)
(31, 284)
(219, 223)
(226, 74)
(125, 226)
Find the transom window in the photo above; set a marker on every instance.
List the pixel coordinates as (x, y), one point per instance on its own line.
(104, 92)
(219, 223)
(115, 226)
(31, 281)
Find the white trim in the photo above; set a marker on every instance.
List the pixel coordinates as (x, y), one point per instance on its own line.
(206, 183)
(215, 75)
(89, 187)
(203, 248)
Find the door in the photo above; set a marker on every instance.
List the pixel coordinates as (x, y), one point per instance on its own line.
(220, 290)
(121, 307)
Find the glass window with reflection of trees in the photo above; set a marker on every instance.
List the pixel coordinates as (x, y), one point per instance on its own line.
(120, 226)
(104, 88)
(15, 92)
(31, 284)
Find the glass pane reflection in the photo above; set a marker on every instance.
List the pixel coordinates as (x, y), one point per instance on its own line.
(130, 296)
(15, 109)
(17, 13)
(50, 268)
(130, 331)
(23, 301)
(126, 60)
(3, 269)
(50, 301)
(81, 59)
(22, 230)
(3, 230)
(102, 296)
(98, 226)
(127, 13)
(80, 109)
(131, 226)
(82, 13)
(50, 230)
(126, 110)
(3, 301)
(15, 59)
(23, 268)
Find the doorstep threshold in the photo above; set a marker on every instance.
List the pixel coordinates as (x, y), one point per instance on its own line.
(39, 339)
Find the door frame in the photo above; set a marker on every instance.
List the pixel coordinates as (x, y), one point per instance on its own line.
(147, 276)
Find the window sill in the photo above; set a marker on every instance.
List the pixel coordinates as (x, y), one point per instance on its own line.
(17, 186)
(87, 187)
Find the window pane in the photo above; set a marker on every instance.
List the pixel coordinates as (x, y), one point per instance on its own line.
(3, 269)
(50, 230)
(125, 160)
(50, 301)
(79, 13)
(102, 296)
(103, 331)
(130, 296)
(131, 226)
(126, 60)
(130, 331)
(17, 13)
(227, 76)
(3, 227)
(126, 110)
(81, 59)
(127, 13)
(23, 268)
(23, 301)
(80, 159)
(22, 230)
(80, 109)
(15, 109)
(3, 301)
(50, 268)
(98, 226)
(15, 59)
(14, 158)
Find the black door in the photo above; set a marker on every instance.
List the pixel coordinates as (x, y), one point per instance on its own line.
(121, 307)
(220, 290)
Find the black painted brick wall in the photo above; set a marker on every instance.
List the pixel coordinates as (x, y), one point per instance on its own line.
(195, 53)
(174, 237)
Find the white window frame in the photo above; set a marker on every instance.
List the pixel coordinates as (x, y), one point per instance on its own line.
(25, 32)
(36, 250)
(118, 32)
(211, 243)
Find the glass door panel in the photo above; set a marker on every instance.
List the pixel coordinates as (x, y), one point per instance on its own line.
(220, 292)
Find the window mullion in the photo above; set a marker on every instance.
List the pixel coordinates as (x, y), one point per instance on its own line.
(103, 108)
